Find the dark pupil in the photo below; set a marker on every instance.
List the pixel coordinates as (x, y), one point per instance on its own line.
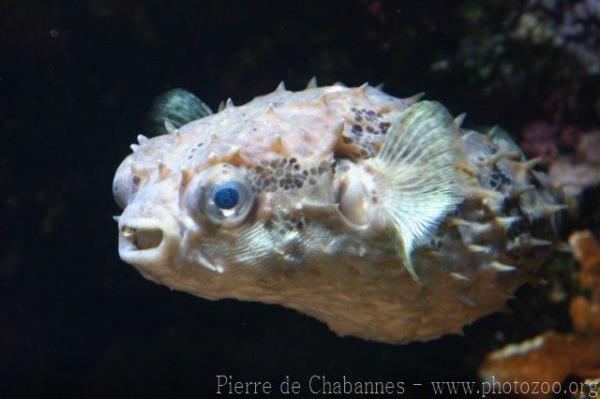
(226, 198)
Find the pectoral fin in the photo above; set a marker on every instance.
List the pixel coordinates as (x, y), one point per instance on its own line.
(418, 184)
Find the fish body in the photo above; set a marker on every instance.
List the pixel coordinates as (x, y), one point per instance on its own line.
(380, 216)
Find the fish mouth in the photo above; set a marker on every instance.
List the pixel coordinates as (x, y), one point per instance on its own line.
(147, 241)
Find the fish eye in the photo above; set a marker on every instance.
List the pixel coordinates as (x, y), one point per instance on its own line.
(125, 184)
(226, 196)
(226, 203)
(121, 192)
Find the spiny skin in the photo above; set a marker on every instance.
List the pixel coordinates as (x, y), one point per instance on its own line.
(316, 231)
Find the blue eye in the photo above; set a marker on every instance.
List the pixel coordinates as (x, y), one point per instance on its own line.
(226, 197)
(223, 203)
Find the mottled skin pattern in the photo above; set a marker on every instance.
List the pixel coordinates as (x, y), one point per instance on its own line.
(312, 238)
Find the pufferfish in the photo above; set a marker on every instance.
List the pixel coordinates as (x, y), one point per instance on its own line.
(380, 216)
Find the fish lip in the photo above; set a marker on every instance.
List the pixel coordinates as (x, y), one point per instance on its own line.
(149, 257)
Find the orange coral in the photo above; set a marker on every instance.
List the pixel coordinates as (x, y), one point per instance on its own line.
(552, 357)
(587, 252)
(585, 313)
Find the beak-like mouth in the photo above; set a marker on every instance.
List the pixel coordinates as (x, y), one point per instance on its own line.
(147, 241)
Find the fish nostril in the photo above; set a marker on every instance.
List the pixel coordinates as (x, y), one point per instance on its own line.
(145, 238)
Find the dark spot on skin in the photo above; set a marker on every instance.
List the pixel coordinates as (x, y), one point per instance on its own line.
(299, 225)
(312, 181)
(498, 179)
(323, 167)
(287, 174)
(435, 243)
(384, 126)
(259, 169)
(136, 180)
(367, 114)
(357, 128)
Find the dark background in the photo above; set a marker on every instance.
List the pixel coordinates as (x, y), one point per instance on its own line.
(76, 80)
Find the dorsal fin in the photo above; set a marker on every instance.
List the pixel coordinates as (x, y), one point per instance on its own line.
(176, 106)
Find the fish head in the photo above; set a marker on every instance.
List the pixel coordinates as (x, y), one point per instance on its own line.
(227, 221)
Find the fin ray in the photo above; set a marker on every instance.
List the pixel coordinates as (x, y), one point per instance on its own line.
(419, 179)
(177, 107)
